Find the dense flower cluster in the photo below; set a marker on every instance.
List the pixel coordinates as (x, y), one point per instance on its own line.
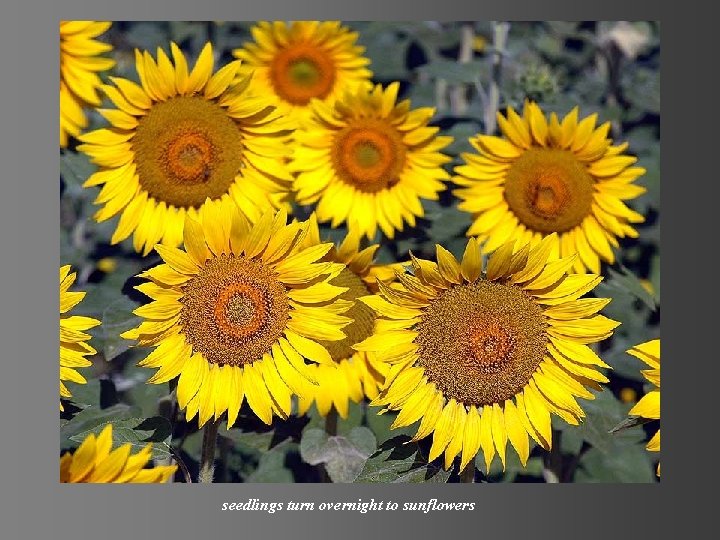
(225, 172)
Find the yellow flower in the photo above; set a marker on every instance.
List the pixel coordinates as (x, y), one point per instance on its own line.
(355, 374)
(180, 138)
(481, 357)
(235, 314)
(649, 404)
(368, 160)
(540, 178)
(73, 340)
(94, 462)
(303, 60)
(79, 64)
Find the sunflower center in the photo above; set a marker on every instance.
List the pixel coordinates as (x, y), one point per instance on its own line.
(302, 71)
(549, 190)
(481, 343)
(369, 154)
(186, 150)
(233, 310)
(363, 317)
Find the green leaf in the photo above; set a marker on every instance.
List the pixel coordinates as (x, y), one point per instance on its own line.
(344, 425)
(570, 442)
(75, 168)
(147, 397)
(89, 418)
(85, 395)
(603, 414)
(116, 319)
(250, 441)
(461, 132)
(271, 467)
(641, 86)
(343, 457)
(138, 432)
(378, 38)
(629, 422)
(400, 463)
(447, 223)
(626, 282)
(380, 424)
(454, 72)
(627, 465)
(146, 35)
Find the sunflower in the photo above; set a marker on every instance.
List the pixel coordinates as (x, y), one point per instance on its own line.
(236, 313)
(73, 340)
(368, 160)
(355, 374)
(302, 60)
(540, 178)
(79, 64)
(649, 404)
(93, 462)
(483, 357)
(181, 138)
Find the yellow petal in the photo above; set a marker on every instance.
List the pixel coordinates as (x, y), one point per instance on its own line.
(516, 432)
(202, 70)
(177, 259)
(499, 261)
(471, 265)
(499, 434)
(486, 440)
(430, 418)
(648, 406)
(537, 257)
(448, 265)
(308, 348)
(194, 241)
(443, 429)
(256, 393)
(456, 440)
(538, 415)
(538, 124)
(191, 379)
(471, 437)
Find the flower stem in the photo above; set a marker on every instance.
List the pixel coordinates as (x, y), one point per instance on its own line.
(181, 464)
(500, 34)
(457, 94)
(207, 459)
(467, 476)
(331, 422)
(331, 425)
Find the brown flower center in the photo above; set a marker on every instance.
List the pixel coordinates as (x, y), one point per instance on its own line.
(369, 154)
(302, 71)
(549, 190)
(480, 343)
(186, 150)
(233, 310)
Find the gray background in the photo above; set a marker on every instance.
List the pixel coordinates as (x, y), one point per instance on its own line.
(35, 506)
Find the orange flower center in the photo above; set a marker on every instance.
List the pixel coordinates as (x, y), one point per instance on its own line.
(481, 343)
(233, 310)
(549, 190)
(189, 157)
(302, 71)
(369, 154)
(186, 150)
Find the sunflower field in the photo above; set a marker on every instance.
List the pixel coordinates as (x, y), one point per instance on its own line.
(324, 251)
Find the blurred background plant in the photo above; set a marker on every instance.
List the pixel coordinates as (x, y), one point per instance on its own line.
(468, 71)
